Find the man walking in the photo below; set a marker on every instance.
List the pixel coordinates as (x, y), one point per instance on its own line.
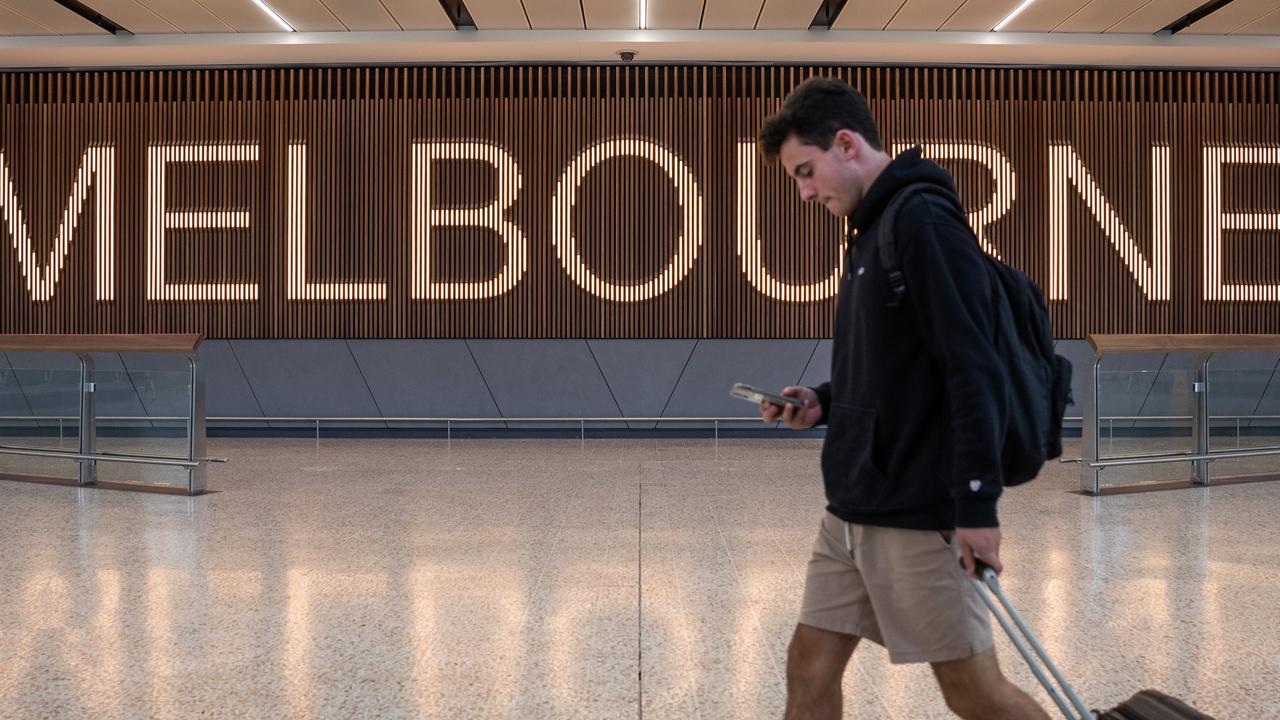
(915, 414)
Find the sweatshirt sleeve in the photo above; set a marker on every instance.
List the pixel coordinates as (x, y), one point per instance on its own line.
(950, 286)
(824, 399)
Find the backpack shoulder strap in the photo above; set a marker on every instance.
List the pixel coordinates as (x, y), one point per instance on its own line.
(886, 240)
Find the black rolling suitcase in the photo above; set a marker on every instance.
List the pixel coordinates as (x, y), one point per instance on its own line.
(1146, 705)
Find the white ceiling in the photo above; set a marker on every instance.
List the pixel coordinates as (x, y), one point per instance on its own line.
(1083, 32)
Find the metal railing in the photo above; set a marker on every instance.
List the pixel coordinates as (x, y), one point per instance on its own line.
(445, 422)
(88, 455)
(1093, 463)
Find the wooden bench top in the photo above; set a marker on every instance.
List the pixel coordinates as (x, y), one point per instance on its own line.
(1184, 343)
(166, 343)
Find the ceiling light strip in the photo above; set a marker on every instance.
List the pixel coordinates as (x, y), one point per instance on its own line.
(274, 15)
(93, 16)
(458, 14)
(827, 13)
(1009, 18)
(1195, 16)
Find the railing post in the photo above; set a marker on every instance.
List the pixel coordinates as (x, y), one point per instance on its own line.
(1200, 420)
(198, 473)
(88, 421)
(1090, 433)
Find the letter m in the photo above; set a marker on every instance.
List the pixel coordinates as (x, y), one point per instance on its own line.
(97, 170)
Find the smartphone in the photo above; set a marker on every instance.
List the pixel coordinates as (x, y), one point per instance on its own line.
(756, 395)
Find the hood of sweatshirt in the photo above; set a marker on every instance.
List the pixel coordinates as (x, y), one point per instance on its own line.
(908, 168)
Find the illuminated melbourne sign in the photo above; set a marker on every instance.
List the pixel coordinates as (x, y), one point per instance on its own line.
(604, 202)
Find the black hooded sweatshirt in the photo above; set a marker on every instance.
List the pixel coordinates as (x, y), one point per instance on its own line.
(916, 406)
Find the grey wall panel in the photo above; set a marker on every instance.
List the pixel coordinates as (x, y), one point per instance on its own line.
(1237, 381)
(544, 378)
(642, 374)
(226, 389)
(49, 381)
(423, 378)
(818, 370)
(1081, 357)
(13, 402)
(115, 394)
(703, 390)
(161, 381)
(550, 378)
(305, 378)
(1236, 384)
(1170, 394)
(1126, 380)
(1253, 361)
(1269, 405)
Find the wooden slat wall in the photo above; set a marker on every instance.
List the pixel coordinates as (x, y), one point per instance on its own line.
(346, 137)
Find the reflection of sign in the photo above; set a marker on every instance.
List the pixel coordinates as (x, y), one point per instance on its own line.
(510, 217)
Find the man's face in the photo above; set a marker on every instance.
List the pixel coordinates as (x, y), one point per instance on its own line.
(827, 176)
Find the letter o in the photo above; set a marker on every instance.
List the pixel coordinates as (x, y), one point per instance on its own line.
(562, 215)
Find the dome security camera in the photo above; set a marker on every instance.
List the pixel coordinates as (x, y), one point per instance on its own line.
(627, 55)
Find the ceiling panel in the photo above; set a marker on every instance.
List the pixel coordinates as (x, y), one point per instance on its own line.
(419, 14)
(866, 14)
(1155, 16)
(498, 14)
(307, 15)
(362, 15)
(14, 25)
(788, 14)
(242, 15)
(554, 14)
(674, 14)
(1042, 15)
(731, 14)
(53, 16)
(132, 16)
(980, 15)
(1232, 17)
(612, 14)
(188, 16)
(1099, 15)
(1265, 25)
(923, 14)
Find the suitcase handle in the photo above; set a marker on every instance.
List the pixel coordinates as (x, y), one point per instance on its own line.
(990, 582)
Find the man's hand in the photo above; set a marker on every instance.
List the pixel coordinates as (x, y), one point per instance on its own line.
(983, 543)
(794, 417)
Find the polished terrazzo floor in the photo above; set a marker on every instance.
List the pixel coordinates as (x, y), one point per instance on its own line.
(563, 579)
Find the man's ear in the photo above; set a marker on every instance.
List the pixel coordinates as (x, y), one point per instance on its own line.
(848, 142)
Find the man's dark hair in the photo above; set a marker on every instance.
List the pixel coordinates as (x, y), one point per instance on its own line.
(814, 112)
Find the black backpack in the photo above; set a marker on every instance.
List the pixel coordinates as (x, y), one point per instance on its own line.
(1039, 379)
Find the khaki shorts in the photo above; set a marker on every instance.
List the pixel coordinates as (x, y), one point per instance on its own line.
(903, 589)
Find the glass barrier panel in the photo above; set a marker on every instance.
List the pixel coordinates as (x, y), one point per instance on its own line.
(144, 412)
(1235, 397)
(40, 408)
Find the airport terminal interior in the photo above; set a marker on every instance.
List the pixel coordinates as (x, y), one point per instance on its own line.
(373, 359)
